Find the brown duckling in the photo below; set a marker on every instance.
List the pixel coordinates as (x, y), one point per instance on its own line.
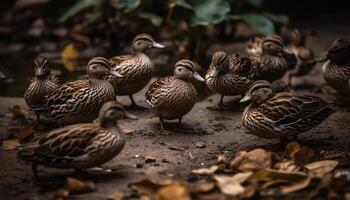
(173, 97)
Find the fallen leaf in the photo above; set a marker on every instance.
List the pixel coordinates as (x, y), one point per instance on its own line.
(327, 188)
(206, 171)
(149, 187)
(75, 186)
(116, 196)
(70, 52)
(9, 144)
(231, 185)
(60, 194)
(319, 168)
(23, 133)
(202, 186)
(17, 112)
(173, 192)
(70, 56)
(291, 181)
(287, 166)
(252, 161)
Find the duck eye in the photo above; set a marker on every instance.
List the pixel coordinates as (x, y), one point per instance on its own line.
(179, 69)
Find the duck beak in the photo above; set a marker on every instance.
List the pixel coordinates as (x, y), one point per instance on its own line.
(322, 58)
(245, 99)
(40, 72)
(157, 45)
(128, 115)
(115, 73)
(2, 75)
(287, 50)
(214, 72)
(197, 76)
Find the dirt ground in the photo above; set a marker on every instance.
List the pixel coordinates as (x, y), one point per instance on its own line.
(176, 155)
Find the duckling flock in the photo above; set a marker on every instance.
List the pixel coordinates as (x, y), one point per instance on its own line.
(87, 110)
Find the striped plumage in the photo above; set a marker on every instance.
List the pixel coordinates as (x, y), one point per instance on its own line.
(136, 69)
(296, 40)
(79, 146)
(41, 85)
(228, 75)
(273, 61)
(336, 70)
(173, 97)
(80, 101)
(283, 115)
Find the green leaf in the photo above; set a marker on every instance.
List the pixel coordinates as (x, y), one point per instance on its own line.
(128, 5)
(207, 12)
(154, 19)
(79, 6)
(256, 3)
(259, 23)
(277, 18)
(182, 3)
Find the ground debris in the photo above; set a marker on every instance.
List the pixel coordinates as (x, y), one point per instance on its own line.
(252, 161)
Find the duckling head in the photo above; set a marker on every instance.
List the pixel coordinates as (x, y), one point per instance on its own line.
(259, 92)
(219, 64)
(99, 67)
(185, 69)
(274, 45)
(143, 41)
(294, 37)
(110, 112)
(40, 67)
(339, 52)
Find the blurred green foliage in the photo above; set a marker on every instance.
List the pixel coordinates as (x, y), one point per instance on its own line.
(191, 20)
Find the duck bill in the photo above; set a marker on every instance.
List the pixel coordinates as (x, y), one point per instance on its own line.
(40, 72)
(2, 75)
(287, 51)
(115, 73)
(128, 115)
(198, 77)
(214, 72)
(157, 45)
(245, 99)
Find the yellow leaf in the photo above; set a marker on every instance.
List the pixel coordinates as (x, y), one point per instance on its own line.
(231, 185)
(70, 52)
(10, 144)
(75, 186)
(173, 192)
(320, 168)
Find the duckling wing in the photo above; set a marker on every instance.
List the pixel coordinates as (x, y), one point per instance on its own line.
(65, 94)
(287, 108)
(62, 145)
(156, 91)
(115, 61)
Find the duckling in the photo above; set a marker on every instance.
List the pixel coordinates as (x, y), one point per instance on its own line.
(136, 69)
(273, 61)
(336, 69)
(253, 46)
(79, 146)
(173, 97)
(41, 85)
(305, 62)
(228, 75)
(80, 101)
(283, 115)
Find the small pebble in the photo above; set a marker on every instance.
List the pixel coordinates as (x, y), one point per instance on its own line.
(150, 159)
(200, 145)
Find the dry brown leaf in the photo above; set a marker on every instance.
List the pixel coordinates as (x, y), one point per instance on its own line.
(116, 196)
(291, 181)
(10, 144)
(206, 171)
(173, 192)
(70, 56)
(24, 133)
(149, 187)
(202, 186)
(319, 168)
(17, 112)
(287, 166)
(231, 185)
(252, 161)
(61, 193)
(75, 186)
